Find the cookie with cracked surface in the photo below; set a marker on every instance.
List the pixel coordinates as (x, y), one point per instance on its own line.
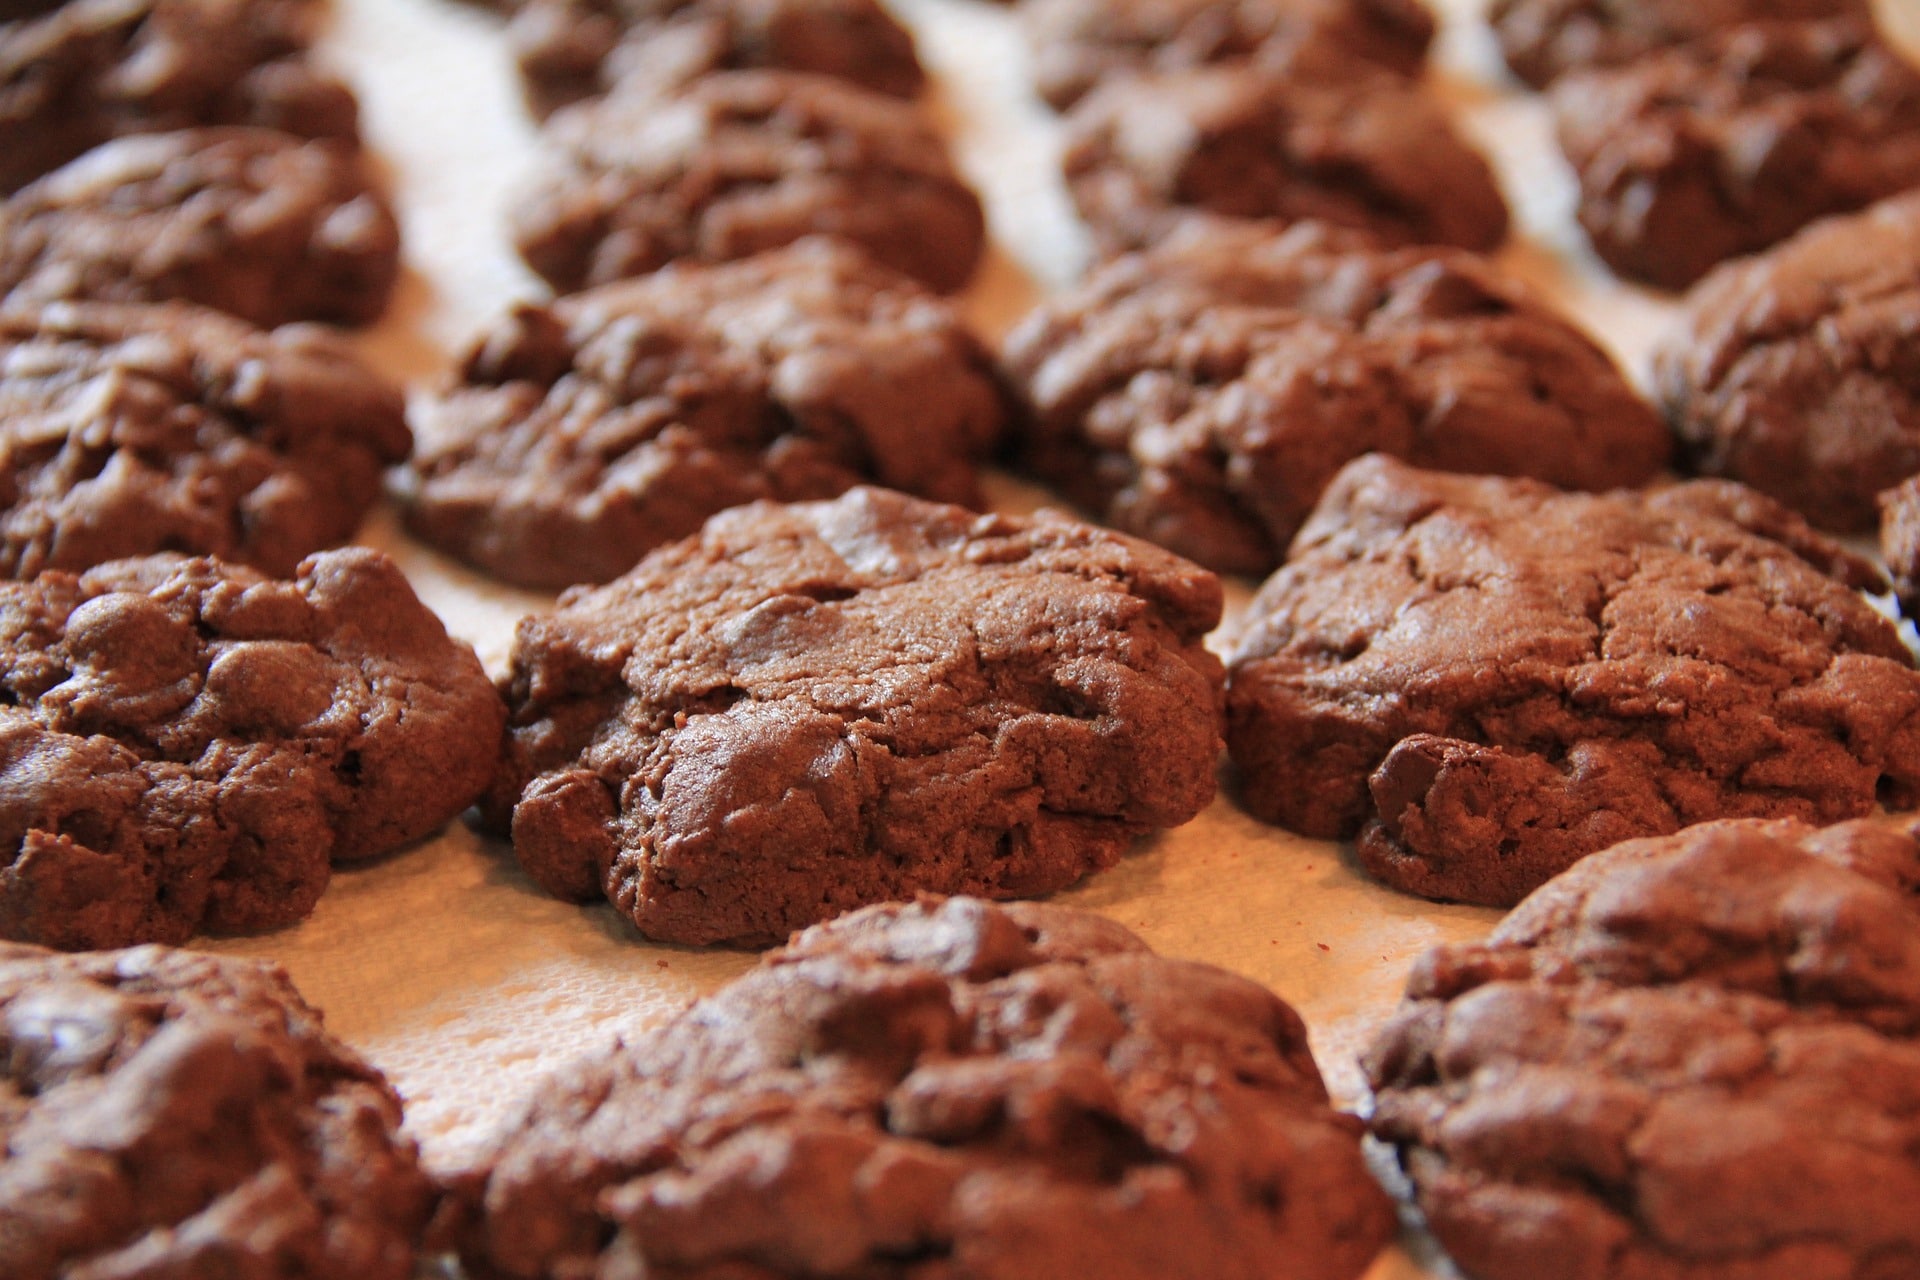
(92, 70)
(588, 431)
(1698, 153)
(136, 429)
(1488, 679)
(944, 1088)
(1145, 152)
(812, 707)
(172, 1114)
(254, 222)
(739, 162)
(1201, 394)
(189, 745)
(1900, 541)
(1540, 39)
(574, 49)
(1075, 44)
(1694, 1057)
(1795, 370)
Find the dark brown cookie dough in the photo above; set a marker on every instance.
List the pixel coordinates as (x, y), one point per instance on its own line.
(1078, 43)
(1689, 1058)
(1542, 38)
(1202, 394)
(738, 162)
(134, 429)
(812, 707)
(254, 222)
(1900, 542)
(586, 432)
(1144, 153)
(1488, 679)
(180, 1115)
(948, 1088)
(1698, 153)
(91, 70)
(574, 49)
(188, 745)
(1796, 371)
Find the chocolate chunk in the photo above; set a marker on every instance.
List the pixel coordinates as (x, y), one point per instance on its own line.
(1542, 38)
(1203, 393)
(589, 431)
(187, 745)
(811, 707)
(947, 1088)
(1488, 679)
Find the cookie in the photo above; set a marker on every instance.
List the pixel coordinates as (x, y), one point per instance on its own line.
(588, 431)
(134, 429)
(574, 49)
(172, 1114)
(943, 1088)
(812, 707)
(1900, 542)
(254, 222)
(1542, 38)
(188, 745)
(1076, 44)
(1488, 679)
(1145, 152)
(738, 162)
(1695, 154)
(1201, 394)
(92, 70)
(1693, 1057)
(1795, 370)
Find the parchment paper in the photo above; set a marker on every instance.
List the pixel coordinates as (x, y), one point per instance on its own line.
(465, 983)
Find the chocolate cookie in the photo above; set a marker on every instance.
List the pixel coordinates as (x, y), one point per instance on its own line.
(1695, 1057)
(132, 429)
(1489, 679)
(180, 1115)
(187, 745)
(948, 1088)
(257, 223)
(1144, 152)
(808, 708)
(738, 162)
(1203, 393)
(574, 49)
(1542, 38)
(1694, 154)
(1796, 370)
(91, 70)
(1900, 541)
(1078, 43)
(586, 432)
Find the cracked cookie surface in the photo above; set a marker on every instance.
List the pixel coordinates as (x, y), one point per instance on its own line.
(590, 430)
(1201, 394)
(739, 162)
(1695, 154)
(1795, 370)
(1144, 153)
(1488, 679)
(135, 429)
(254, 222)
(947, 1088)
(1694, 1057)
(91, 70)
(1540, 39)
(574, 49)
(811, 707)
(171, 1114)
(188, 745)
(1900, 541)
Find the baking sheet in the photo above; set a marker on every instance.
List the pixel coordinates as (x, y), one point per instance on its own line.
(460, 979)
